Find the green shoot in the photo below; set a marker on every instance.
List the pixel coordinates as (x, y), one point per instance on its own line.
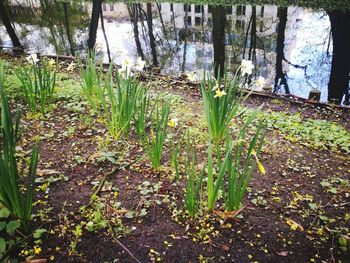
(92, 80)
(154, 144)
(19, 204)
(221, 102)
(38, 82)
(192, 194)
(120, 105)
(239, 170)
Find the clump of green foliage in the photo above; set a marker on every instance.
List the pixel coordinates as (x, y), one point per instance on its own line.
(122, 102)
(38, 81)
(154, 143)
(18, 204)
(194, 181)
(220, 104)
(92, 83)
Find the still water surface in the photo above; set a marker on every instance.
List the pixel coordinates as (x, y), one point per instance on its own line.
(184, 38)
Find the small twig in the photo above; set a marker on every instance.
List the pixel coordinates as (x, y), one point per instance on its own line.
(102, 182)
(110, 228)
(154, 212)
(331, 250)
(114, 170)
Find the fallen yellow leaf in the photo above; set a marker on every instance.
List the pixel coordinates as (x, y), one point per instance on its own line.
(294, 225)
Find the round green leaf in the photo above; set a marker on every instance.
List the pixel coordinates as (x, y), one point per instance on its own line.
(2, 245)
(39, 232)
(12, 226)
(2, 225)
(4, 213)
(343, 242)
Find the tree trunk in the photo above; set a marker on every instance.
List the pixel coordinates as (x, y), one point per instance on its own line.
(280, 78)
(7, 23)
(338, 85)
(219, 22)
(96, 10)
(150, 33)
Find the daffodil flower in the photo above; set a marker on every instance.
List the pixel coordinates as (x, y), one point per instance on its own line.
(33, 59)
(173, 122)
(219, 93)
(98, 47)
(51, 63)
(126, 67)
(71, 67)
(126, 63)
(259, 83)
(140, 64)
(216, 87)
(191, 76)
(260, 166)
(126, 71)
(246, 67)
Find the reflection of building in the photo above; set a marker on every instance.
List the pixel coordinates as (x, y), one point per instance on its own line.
(196, 20)
(119, 10)
(197, 16)
(115, 10)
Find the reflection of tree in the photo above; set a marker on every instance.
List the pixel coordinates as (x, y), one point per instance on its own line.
(150, 33)
(165, 33)
(95, 14)
(219, 22)
(68, 27)
(61, 19)
(184, 36)
(253, 37)
(280, 78)
(105, 36)
(53, 16)
(134, 13)
(7, 23)
(338, 85)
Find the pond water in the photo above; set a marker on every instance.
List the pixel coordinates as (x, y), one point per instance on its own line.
(184, 38)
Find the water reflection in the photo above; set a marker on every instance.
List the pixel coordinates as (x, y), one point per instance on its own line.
(292, 47)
